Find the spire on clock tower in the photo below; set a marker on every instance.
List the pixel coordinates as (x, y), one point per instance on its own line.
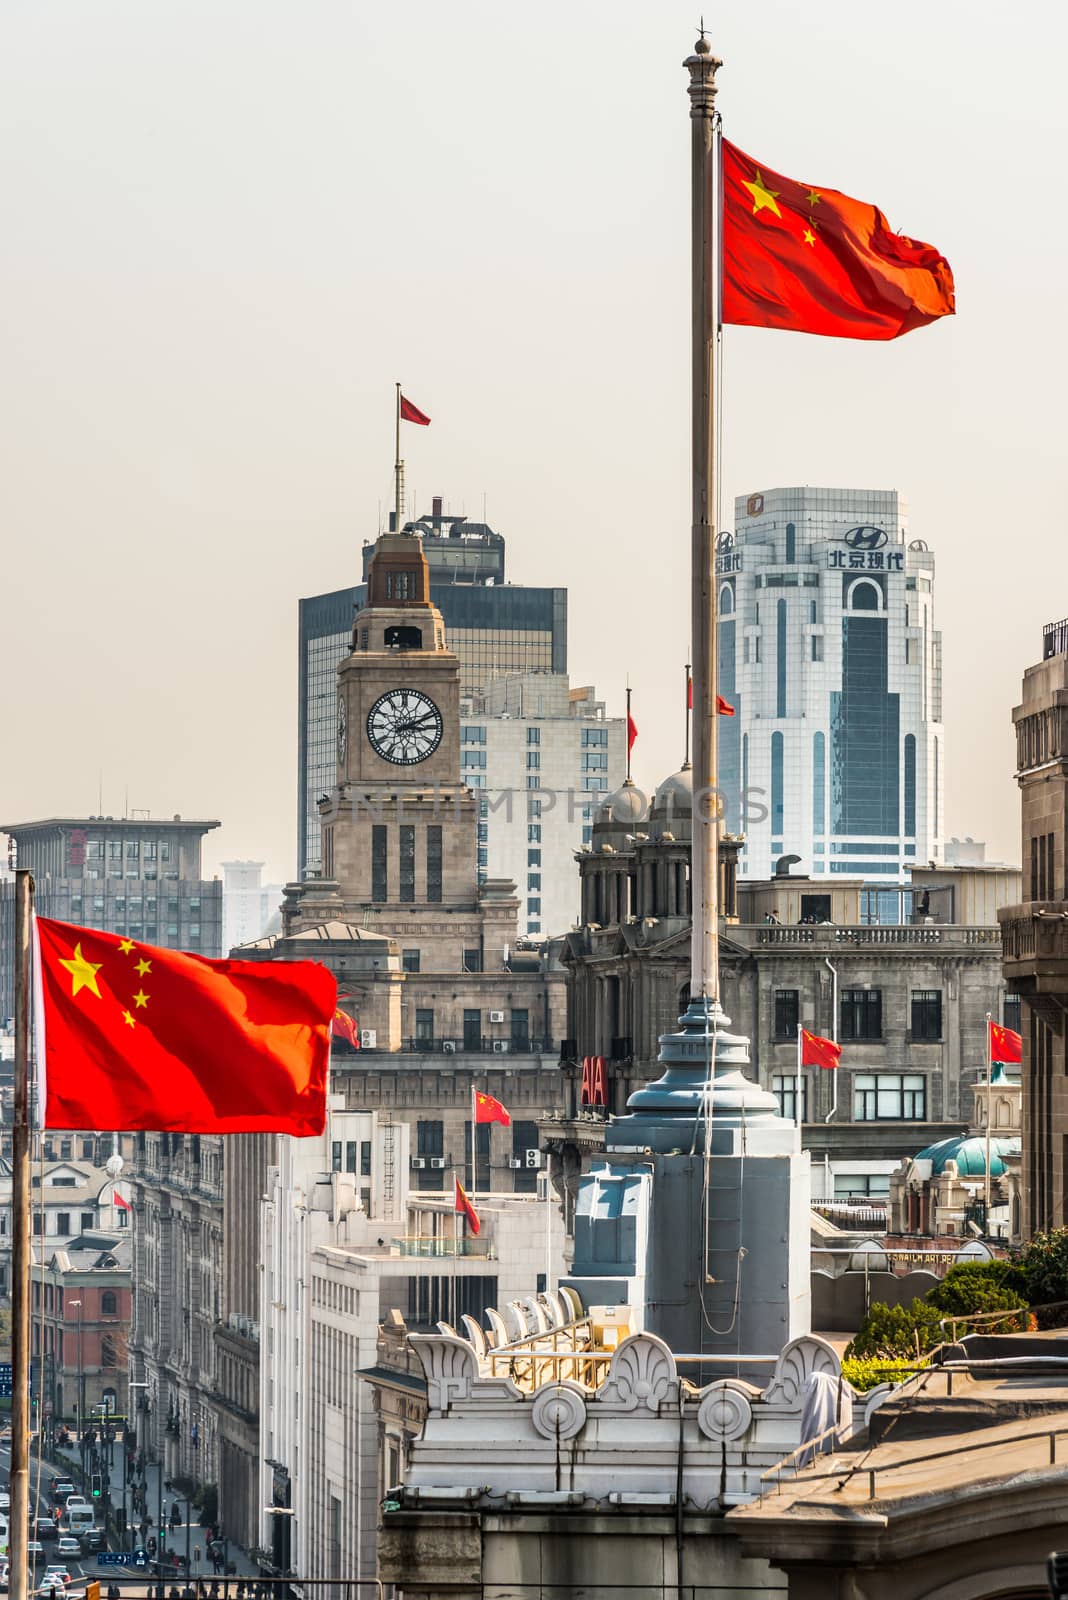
(399, 574)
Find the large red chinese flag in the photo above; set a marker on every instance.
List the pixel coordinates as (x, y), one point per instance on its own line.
(819, 1052)
(463, 1207)
(1005, 1044)
(131, 1036)
(816, 261)
(412, 413)
(487, 1109)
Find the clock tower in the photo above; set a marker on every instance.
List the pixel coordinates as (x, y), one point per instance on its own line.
(400, 828)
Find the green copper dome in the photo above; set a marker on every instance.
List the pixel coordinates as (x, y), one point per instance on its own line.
(969, 1152)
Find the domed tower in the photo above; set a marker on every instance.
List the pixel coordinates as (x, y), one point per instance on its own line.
(607, 868)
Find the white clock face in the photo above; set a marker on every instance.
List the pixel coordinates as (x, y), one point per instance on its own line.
(342, 729)
(404, 726)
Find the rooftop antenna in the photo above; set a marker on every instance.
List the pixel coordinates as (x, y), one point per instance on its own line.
(100, 795)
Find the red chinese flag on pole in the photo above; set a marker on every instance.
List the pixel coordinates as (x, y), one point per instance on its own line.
(1006, 1044)
(689, 691)
(463, 1208)
(487, 1109)
(412, 413)
(724, 708)
(818, 1052)
(632, 732)
(344, 1027)
(119, 1201)
(130, 1036)
(816, 261)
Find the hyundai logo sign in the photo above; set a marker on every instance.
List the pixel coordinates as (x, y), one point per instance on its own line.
(866, 538)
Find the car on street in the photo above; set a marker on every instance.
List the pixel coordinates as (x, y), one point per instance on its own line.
(34, 1547)
(57, 1577)
(66, 1545)
(5, 1500)
(61, 1488)
(92, 1540)
(46, 1528)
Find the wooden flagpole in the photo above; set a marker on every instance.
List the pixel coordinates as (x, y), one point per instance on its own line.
(19, 1485)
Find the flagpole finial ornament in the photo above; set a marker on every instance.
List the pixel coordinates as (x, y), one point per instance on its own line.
(702, 67)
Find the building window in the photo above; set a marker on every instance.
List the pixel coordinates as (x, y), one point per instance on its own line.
(409, 960)
(595, 761)
(379, 880)
(107, 1351)
(777, 785)
(784, 1088)
(472, 1030)
(533, 736)
(533, 759)
(109, 1303)
(483, 855)
(472, 758)
(407, 864)
(533, 858)
(600, 784)
(594, 738)
(817, 647)
(63, 1224)
(910, 785)
(780, 659)
(587, 835)
(365, 1158)
(927, 1014)
(520, 1029)
(472, 735)
(534, 833)
(473, 960)
(430, 1146)
(791, 543)
(889, 1097)
(533, 906)
(786, 1013)
(862, 1186)
(818, 782)
(1010, 1012)
(433, 862)
(424, 1027)
(861, 1014)
(534, 881)
(524, 1138)
(88, 1221)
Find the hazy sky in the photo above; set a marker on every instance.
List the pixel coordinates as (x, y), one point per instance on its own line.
(227, 228)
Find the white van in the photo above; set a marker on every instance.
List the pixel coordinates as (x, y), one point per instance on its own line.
(78, 1518)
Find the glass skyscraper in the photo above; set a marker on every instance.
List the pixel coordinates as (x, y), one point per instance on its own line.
(827, 649)
(496, 628)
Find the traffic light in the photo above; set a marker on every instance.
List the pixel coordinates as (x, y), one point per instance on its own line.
(97, 1485)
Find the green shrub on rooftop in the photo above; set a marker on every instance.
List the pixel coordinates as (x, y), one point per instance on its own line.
(896, 1333)
(977, 1286)
(1043, 1268)
(869, 1374)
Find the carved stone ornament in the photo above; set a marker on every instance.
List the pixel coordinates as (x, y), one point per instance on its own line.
(450, 1366)
(559, 1410)
(797, 1361)
(642, 1376)
(874, 1399)
(725, 1411)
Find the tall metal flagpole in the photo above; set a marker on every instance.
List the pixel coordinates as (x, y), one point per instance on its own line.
(689, 693)
(19, 1484)
(398, 472)
(704, 871)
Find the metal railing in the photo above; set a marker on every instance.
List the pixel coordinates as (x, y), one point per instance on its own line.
(432, 1244)
(833, 935)
(484, 1045)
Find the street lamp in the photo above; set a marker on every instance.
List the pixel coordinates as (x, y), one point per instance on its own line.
(80, 1403)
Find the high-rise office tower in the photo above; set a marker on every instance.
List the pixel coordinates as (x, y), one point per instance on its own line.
(138, 876)
(495, 629)
(828, 651)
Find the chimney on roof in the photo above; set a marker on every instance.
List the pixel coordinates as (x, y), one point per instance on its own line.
(435, 511)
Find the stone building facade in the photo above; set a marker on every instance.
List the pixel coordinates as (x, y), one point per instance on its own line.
(908, 1001)
(1035, 932)
(177, 1185)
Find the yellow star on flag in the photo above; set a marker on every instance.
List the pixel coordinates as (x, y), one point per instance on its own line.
(814, 197)
(810, 237)
(143, 966)
(82, 972)
(141, 999)
(126, 1017)
(762, 195)
(126, 945)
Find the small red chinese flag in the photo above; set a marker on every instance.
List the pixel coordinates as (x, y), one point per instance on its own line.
(724, 708)
(463, 1208)
(1005, 1044)
(817, 1052)
(689, 692)
(816, 261)
(344, 1027)
(412, 413)
(131, 1036)
(632, 732)
(119, 1201)
(487, 1109)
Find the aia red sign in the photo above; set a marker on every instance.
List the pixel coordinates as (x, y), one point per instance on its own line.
(594, 1081)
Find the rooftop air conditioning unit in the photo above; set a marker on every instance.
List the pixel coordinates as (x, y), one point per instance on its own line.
(496, 1016)
(514, 1161)
(437, 1163)
(368, 1038)
(449, 1046)
(533, 1157)
(500, 1047)
(418, 1163)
